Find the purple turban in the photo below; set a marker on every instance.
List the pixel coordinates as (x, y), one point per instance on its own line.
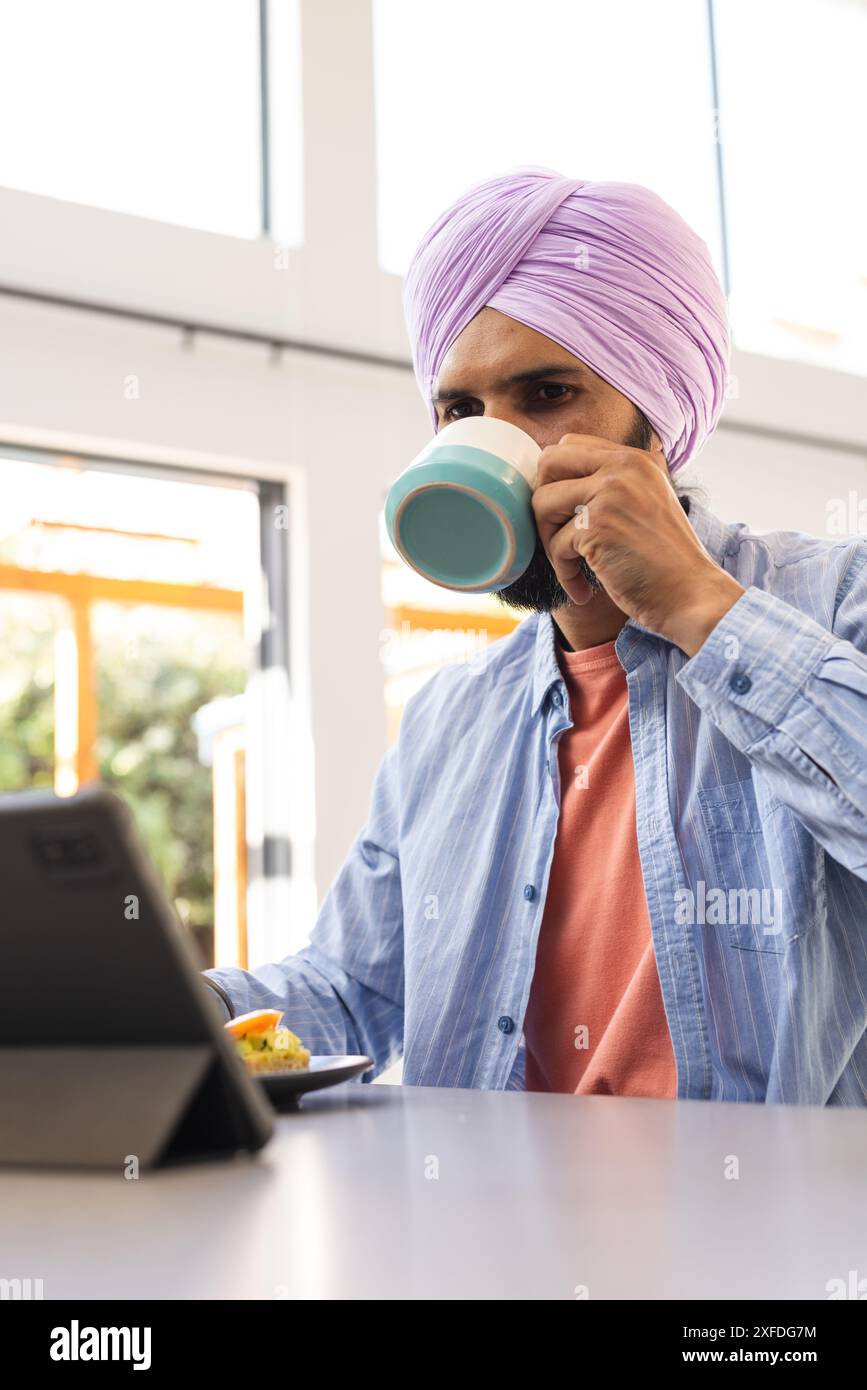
(607, 270)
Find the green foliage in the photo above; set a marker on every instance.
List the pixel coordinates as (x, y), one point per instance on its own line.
(26, 692)
(157, 667)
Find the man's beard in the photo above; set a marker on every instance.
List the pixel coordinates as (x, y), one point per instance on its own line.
(538, 590)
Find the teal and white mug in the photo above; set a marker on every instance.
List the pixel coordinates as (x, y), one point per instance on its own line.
(460, 513)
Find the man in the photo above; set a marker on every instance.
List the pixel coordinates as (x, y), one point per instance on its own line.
(627, 854)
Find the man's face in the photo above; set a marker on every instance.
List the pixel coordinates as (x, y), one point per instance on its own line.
(499, 367)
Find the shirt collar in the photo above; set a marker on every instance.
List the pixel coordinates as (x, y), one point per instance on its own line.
(718, 540)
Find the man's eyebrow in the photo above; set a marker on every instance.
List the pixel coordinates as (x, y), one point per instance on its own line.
(534, 374)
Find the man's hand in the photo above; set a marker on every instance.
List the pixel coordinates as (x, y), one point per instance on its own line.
(614, 507)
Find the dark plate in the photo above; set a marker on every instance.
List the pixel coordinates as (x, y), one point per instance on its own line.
(284, 1088)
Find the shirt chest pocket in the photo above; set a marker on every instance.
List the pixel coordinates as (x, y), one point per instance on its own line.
(742, 901)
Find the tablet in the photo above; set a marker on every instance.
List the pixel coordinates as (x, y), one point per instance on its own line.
(112, 1051)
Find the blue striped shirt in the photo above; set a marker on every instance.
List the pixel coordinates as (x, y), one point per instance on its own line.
(751, 804)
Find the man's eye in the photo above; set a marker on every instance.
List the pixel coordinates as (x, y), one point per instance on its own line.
(553, 386)
(450, 410)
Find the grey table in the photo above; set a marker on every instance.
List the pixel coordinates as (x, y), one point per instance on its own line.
(404, 1192)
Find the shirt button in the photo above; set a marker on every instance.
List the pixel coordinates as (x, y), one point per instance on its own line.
(556, 698)
(529, 892)
(740, 683)
(505, 1024)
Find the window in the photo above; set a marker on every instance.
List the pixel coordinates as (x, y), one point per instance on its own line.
(793, 112)
(430, 627)
(620, 91)
(148, 107)
(128, 610)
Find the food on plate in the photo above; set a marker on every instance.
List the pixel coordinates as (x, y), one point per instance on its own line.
(264, 1046)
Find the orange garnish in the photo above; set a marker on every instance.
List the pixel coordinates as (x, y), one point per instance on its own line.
(259, 1021)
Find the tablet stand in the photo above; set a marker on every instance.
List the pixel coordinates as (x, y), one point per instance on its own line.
(102, 1105)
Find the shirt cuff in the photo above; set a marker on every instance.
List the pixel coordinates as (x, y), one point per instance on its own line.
(755, 662)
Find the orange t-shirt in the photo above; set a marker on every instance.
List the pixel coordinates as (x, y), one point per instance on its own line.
(595, 1021)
